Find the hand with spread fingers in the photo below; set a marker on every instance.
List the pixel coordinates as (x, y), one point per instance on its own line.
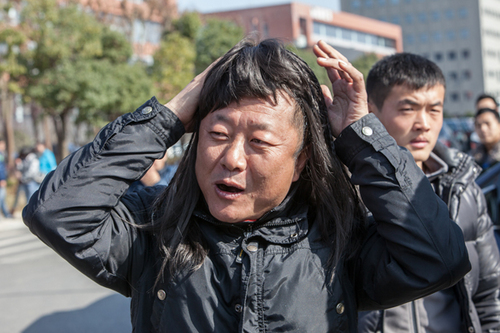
(349, 100)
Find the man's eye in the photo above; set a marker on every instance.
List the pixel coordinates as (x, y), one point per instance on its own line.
(218, 135)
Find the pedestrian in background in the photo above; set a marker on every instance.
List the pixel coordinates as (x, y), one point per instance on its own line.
(46, 158)
(486, 101)
(28, 175)
(406, 92)
(487, 126)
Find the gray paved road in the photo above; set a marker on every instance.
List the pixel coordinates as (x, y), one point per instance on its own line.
(41, 293)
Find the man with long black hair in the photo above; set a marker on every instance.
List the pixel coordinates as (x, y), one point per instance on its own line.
(260, 230)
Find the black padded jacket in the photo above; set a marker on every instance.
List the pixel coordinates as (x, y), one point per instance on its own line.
(265, 276)
(478, 293)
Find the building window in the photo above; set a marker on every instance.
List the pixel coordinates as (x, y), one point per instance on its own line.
(464, 33)
(448, 14)
(424, 38)
(138, 35)
(346, 34)
(409, 39)
(452, 55)
(466, 74)
(491, 53)
(468, 95)
(265, 30)
(438, 56)
(409, 18)
(383, 18)
(463, 12)
(450, 35)
(356, 4)
(453, 76)
(435, 15)
(153, 32)
(381, 2)
(465, 54)
(395, 19)
(369, 3)
(455, 97)
(394, 2)
(437, 36)
(422, 17)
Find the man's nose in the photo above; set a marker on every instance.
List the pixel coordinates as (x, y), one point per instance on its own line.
(422, 121)
(235, 158)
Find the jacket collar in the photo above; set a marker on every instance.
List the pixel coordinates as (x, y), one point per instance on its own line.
(290, 211)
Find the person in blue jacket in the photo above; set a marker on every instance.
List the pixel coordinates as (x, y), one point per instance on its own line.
(46, 158)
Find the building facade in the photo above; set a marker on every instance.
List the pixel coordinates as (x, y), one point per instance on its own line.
(461, 36)
(304, 25)
(141, 21)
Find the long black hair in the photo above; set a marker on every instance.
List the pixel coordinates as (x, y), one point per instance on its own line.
(263, 70)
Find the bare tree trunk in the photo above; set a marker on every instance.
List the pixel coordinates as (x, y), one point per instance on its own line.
(60, 124)
(47, 132)
(7, 109)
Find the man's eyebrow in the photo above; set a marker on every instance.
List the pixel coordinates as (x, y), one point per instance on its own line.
(438, 103)
(412, 102)
(259, 126)
(408, 101)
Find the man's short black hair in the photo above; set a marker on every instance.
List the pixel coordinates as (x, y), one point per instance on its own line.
(485, 110)
(411, 70)
(486, 96)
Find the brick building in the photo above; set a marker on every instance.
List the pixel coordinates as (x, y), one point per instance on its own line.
(142, 22)
(304, 25)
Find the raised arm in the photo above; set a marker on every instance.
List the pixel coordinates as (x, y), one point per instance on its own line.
(81, 210)
(412, 248)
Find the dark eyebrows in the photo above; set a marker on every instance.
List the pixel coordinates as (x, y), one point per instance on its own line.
(258, 126)
(412, 102)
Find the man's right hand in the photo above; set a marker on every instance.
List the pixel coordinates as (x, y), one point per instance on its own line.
(185, 103)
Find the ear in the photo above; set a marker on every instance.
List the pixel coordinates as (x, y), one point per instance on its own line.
(300, 163)
(372, 107)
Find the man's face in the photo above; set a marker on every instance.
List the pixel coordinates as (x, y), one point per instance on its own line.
(487, 128)
(247, 158)
(413, 118)
(486, 103)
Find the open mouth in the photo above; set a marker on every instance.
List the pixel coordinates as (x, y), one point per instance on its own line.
(230, 189)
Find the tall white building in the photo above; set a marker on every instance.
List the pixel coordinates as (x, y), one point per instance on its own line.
(461, 36)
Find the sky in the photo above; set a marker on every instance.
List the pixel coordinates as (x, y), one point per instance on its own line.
(207, 6)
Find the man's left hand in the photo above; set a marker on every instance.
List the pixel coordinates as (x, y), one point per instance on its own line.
(349, 101)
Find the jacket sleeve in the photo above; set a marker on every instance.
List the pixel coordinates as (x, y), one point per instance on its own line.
(486, 297)
(80, 209)
(413, 249)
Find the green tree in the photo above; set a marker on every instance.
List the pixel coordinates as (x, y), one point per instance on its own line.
(188, 25)
(215, 38)
(173, 64)
(365, 62)
(78, 64)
